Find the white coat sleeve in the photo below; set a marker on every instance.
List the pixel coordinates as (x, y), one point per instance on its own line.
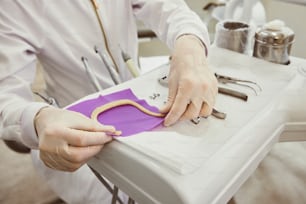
(169, 19)
(18, 49)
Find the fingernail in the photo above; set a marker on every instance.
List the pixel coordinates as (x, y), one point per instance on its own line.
(167, 124)
(114, 133)
(118, 132)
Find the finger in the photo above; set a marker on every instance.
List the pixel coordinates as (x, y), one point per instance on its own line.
(108, 129)
(166, 108)
(208, 104)
(210, 96)
(177, 109)
(80, 138)
(80, 155)
(57, 162)
(193, 110)
(85, 123)
(206, 110)
(171, 97)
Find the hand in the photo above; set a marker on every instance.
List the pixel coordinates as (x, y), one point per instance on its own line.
(192, 85)
(67, 139)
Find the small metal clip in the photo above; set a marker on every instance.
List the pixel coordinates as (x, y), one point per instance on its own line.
(196, 120)
(49, 100)
(154, 96)
(215, 113)
(163, 81)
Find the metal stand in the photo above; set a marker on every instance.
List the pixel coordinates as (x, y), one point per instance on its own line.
(114, 191)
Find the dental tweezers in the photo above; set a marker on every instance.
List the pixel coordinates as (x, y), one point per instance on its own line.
(230, 92)
(241, 82)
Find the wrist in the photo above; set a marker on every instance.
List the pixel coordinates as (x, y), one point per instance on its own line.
(193, 40)
(38, 117)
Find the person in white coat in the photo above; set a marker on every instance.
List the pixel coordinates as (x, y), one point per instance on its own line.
(58, 34)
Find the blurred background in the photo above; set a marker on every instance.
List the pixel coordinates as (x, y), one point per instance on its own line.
(292, 12)
(20, 184)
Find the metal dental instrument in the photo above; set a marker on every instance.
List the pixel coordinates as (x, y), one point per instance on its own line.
(218, 114)
(91, 75)
(233, 93)
(215, 113)
(108, 187)
(49, 100)
(130, 64)
(230, 92)
(163, 81)
(226, 79)
(111, 69)
(196, 120)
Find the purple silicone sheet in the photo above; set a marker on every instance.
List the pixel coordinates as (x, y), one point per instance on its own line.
(126, 118)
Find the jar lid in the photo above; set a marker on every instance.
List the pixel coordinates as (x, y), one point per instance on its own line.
(275, 33)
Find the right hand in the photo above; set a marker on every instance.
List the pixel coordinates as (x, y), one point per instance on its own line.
(67, 139)
(193, 86)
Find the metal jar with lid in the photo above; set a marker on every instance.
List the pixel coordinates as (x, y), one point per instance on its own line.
(273, 42)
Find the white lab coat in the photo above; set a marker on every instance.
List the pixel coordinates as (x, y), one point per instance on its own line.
(58, 34)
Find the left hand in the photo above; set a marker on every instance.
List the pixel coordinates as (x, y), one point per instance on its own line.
(67, 139)
(192, 84)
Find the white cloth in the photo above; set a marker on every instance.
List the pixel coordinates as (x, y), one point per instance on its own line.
(58, 34)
